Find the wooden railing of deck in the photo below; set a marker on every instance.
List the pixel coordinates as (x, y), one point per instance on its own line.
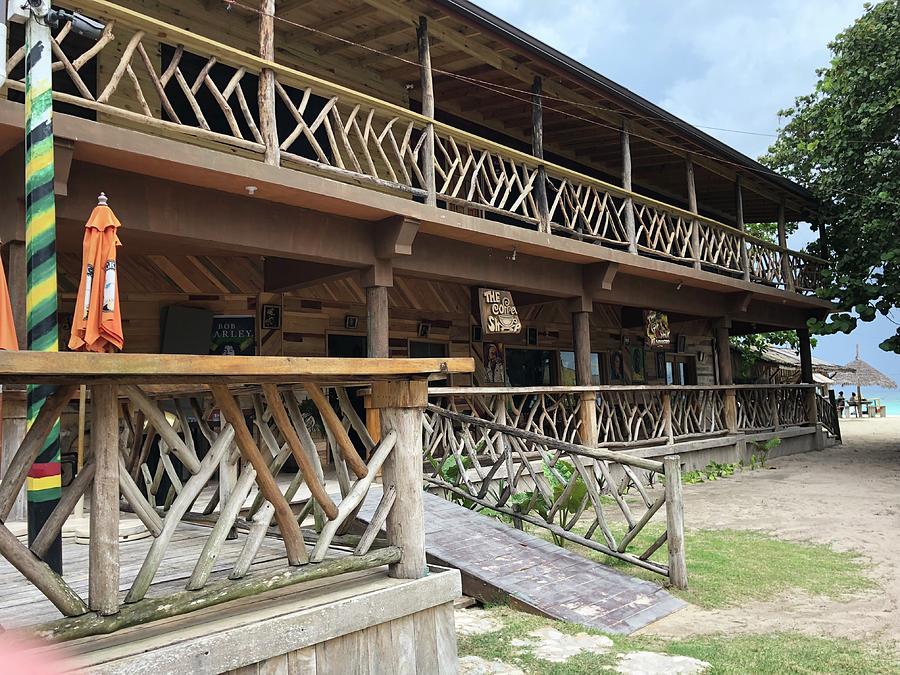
(354, 137)
(628, 416)
(137, 399)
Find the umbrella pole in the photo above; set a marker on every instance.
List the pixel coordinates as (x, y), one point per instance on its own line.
(44, 485)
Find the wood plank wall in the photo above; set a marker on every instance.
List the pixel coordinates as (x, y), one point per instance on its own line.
(233, 285)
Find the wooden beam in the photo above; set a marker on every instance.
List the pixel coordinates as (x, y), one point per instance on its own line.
(537, 149)
(782, 242)
(628, 208)
(692, 207)
(739, 224)
(103, 556)
(427, 152)
(267, 119)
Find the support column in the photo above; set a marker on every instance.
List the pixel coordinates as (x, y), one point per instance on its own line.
(782, 244)
(692, 207)
(675, 522)
(628, 211)
(378, 318)
(376, 280)
(402, 405)
(103, 555)
(427, 110)
(806, 375)
(267, 123)
(581, 330)
(537, 149)
(726, 376)
(739, 222)
(44, 482)
(14, 407)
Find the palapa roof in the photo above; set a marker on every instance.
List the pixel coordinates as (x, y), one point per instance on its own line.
(791, 359)
(866, 375)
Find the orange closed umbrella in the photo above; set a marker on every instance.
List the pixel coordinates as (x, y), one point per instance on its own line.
(97, 324)
(8, 339)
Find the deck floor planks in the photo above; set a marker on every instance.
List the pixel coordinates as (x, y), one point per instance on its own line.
(552, 581)
(183, 551)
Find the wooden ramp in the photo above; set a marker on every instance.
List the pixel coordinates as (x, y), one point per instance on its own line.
(500, 563)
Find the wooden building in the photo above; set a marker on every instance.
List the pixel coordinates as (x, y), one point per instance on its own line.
(389, 178)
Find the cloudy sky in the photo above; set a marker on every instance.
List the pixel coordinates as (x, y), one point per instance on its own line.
(730, 65)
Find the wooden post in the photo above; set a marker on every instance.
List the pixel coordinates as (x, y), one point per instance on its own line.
(675, 522)
(537, 149)
(626, 183)
(692, 207)
(739, 222)
(427, 111)
(806, 375)
(14, 406)
(667, 417)
(103, 565)
(378, 320)
(782, 245)
(581, 329)
(726, 376)
(267, 124)
(402, 404)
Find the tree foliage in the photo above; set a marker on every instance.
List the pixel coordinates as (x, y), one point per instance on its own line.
(842, 142)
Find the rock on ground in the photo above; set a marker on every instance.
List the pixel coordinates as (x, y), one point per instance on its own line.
(475, 665)
(551, 645)
(475, 622)
(654, 663)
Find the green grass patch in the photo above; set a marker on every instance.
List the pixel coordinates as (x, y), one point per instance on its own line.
(731, 567)
(781, 653)
(787, 653)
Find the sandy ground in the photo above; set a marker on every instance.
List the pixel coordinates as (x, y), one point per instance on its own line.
(848, 497)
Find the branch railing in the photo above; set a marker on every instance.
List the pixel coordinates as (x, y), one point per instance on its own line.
(597, 498)
(174, 81)
(143, 407)
(633, 415)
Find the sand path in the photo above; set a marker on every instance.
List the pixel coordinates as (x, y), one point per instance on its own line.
(848, 497)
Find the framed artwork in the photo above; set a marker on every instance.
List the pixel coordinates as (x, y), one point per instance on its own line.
(233, 335)
(661, 366)
(351, 322)
(271, 317)
(616, 368)
(637, 364)
(531, 335)
(494, 363)
(424, 329)
(681, 344)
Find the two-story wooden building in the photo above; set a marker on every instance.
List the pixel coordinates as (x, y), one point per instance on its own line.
(388, 178)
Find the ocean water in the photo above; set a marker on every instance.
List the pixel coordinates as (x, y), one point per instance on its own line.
(889, 397)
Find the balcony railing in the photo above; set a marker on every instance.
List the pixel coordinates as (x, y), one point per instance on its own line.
(357, 138)
(631, 416)
(137, 401)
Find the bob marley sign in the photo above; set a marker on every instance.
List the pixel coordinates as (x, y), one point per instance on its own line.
(656, 327)
(498, 312)
(233, 335)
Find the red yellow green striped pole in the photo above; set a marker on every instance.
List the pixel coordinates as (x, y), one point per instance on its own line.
(44, 482)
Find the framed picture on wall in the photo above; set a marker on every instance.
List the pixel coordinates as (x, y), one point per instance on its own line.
(271, 317)
(681, 344)
(531, 335)
(661, 366)
(494, 363)
(616, 368)
(636, 364)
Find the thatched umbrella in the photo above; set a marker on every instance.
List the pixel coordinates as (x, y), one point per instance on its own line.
(865, 375)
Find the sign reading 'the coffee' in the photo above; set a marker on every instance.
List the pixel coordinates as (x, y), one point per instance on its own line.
(498, 313)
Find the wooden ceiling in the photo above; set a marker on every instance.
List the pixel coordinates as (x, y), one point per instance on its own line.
(483, 76)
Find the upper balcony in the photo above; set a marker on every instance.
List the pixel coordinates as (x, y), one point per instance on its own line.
(200, 82)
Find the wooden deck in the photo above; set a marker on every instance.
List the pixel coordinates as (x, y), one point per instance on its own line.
(498, 562)
(22, 605)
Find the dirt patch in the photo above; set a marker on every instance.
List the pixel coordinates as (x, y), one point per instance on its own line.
(847, 497)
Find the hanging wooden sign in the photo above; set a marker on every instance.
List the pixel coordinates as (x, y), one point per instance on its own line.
(656, 327)
(498, 312)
